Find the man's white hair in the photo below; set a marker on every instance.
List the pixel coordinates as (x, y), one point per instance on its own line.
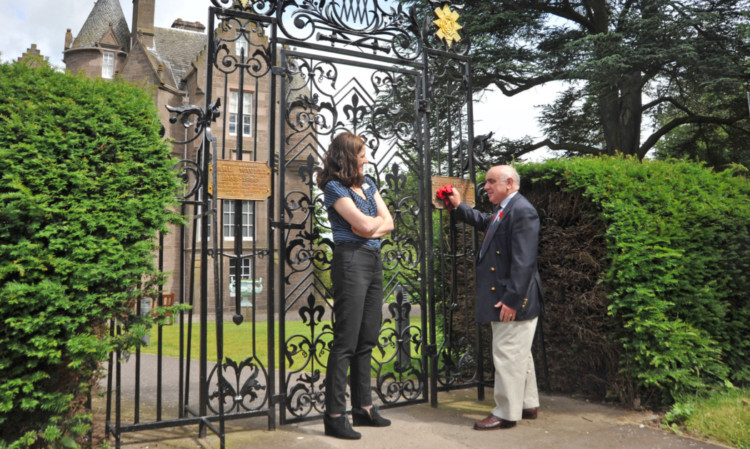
(507, 171)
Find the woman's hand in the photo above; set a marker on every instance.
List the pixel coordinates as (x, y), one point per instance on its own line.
(364, 225)
(370, 235)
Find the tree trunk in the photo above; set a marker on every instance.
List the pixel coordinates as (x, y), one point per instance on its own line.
(620, 98)
(621, 115)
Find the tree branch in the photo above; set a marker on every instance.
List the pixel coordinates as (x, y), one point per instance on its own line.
(523, 83)
(668, 99)
(520, 150)
(566, 11)
(624, 13)
(568, 146)
(649, 143)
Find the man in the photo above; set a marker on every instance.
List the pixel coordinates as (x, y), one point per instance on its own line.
(509, 293)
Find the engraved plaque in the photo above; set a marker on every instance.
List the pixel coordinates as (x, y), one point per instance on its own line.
(242, 180)
(464, 187)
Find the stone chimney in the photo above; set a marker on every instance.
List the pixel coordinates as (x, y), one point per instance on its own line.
(143, 21)
(180, 24)
(68, 39)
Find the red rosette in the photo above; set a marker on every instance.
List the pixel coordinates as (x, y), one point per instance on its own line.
(443, 193)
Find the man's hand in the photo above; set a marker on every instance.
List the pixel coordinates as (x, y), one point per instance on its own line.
(444, 193)
(455, 198)
(506, 313)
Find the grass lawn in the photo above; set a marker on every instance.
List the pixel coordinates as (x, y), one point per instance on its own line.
(238, 341)
(724, 417)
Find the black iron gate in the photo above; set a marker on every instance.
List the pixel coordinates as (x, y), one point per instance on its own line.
(281, 79)
(363, 104)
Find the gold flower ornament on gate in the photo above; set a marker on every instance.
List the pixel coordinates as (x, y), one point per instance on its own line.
(447, 24)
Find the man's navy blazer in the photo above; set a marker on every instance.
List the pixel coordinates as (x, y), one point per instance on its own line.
(507, 261)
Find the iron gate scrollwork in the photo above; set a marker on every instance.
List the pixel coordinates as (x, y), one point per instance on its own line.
(375, 71)
(282, 78)
(325, 95)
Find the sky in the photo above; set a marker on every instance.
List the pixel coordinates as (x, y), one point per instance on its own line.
(44, 23)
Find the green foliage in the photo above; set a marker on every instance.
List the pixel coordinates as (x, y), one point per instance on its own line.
(722, 415)
(678, 263)
(688, 58)
(86, 184)
(718, 145)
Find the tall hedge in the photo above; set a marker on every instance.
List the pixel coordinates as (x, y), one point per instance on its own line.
(86, 183)
(674, 277)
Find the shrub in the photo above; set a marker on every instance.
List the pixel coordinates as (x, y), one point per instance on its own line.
(675, 273)
(85, 186)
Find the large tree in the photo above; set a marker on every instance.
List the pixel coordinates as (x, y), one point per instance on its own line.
(719, 145)
(626, 64)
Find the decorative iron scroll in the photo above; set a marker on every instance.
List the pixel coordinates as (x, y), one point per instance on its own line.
(242, 386)
(264, 7)
(304, 356)
(192, 115)
(458, 364)
(256, 62)
(189, 170)
(372, 26)
(400, 344)
(365, 25)
(311, 107)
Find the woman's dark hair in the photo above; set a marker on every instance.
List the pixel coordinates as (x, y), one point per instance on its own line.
(341, 162)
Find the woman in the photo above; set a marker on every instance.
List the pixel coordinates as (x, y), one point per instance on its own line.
(358, 217)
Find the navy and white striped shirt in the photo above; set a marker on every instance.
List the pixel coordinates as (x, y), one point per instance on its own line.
(341, 229)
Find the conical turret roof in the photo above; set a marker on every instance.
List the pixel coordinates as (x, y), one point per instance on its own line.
(104, 13)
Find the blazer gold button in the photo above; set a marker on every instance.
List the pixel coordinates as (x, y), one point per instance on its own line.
(492, 269)
(493, 289)
(498, 252)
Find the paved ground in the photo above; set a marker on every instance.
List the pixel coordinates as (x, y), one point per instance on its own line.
(564, 423)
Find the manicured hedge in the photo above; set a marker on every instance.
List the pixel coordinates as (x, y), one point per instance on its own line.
(86, 183)
(674, 275)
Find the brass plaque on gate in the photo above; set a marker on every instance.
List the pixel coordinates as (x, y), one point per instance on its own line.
(464, 187)
(241, 180)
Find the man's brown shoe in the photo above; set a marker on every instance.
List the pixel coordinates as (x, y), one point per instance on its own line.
(529, 413)
(492, 422)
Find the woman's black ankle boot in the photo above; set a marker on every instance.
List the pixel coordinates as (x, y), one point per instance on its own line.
(362, 417)
(339, 427)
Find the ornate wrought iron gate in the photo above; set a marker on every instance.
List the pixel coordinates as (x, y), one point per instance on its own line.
(282, 78)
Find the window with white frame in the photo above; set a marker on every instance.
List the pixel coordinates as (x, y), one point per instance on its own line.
(248, 219)
(234, 119)
(245, 273)
(240, 46)
(108, 64)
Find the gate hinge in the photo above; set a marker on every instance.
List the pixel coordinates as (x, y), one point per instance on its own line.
(431, 350)
(278, 399)
(278, 70)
